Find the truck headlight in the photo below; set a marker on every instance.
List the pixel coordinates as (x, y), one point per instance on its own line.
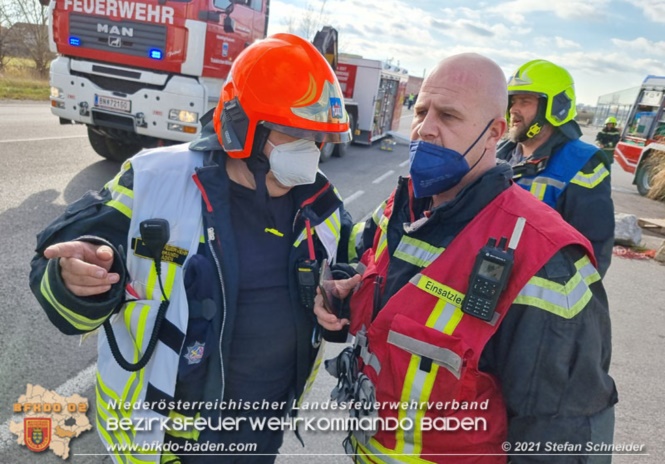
(178, 128)
(184, 116)
(56, 92)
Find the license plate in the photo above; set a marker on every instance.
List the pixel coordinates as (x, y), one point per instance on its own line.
(115, 104)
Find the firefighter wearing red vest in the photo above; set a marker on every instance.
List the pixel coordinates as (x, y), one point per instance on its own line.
(481, 325)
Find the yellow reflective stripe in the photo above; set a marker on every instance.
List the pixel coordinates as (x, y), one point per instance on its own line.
(120, 207)
(381, 247)
(378, 212)
(587, 270)
(445, 317)
(121, 197)
(168, 457)
(170, 279)
(151, 284)
(192, 434)
(538, 190)
(103, 409)
(563, 300)
(303, 236)
(374, 452)
(76, 320)
(404, 438)
(592, 179)
(333, 223)
(128, 312)
(417, 252)
(438, 289)
(354, 240)
(312, 375)
(101, 427)
(135, 381)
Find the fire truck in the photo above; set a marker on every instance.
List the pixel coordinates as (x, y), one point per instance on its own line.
(644, 133)
(373, 93)
(141, 73)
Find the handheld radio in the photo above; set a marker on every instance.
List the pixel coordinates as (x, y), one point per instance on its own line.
(490, 275)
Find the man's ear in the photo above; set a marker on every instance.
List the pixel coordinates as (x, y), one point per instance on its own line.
(496, 131)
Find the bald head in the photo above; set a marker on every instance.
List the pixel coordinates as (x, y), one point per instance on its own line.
(462, 106)
(475, 78)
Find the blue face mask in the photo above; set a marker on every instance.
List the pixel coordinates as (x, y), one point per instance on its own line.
(435, 169)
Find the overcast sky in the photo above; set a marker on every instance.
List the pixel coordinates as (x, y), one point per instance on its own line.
(607, 45)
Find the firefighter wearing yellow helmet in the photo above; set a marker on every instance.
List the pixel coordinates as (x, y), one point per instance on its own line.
(609, 135)
(543, 145)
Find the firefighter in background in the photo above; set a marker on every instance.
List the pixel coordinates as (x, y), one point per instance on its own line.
(220, 230)
(426, 338)
(550, 160)
(609, 136)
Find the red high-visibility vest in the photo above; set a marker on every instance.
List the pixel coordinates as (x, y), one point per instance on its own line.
(423, 350)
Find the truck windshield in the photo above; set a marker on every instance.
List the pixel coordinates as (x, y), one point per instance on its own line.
(223, 4)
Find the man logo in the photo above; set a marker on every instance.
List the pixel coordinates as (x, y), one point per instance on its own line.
(37, 433)
(115, 42)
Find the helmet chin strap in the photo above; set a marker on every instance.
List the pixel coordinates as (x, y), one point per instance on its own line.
(537, 123)
(259, 166)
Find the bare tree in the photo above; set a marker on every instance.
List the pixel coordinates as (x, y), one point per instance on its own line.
(4, 29)
(28, 20)
(307, 23)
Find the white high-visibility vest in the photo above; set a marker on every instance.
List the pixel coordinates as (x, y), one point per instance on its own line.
(165, 189)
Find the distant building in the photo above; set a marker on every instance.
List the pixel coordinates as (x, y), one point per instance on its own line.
(413, 86)
(23, 37)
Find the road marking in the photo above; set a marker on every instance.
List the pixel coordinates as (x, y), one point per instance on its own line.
(82, 382)
(404, 163)
(624, 190)
(353, 197)
(383, 177)
(45, 138)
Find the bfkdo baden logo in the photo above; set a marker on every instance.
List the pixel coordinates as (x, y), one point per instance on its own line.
(50, 421)
(37, 434)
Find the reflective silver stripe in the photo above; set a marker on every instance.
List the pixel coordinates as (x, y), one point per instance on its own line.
(587, 270)
(442, 356)
(374, 452)
(543, 180)
(378, 213)
(368, 358)
(417, 252)
(563, 300)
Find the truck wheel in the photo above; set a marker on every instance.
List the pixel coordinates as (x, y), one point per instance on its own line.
(643, 178)
(111, 149)
(342, 148)
(326, 152)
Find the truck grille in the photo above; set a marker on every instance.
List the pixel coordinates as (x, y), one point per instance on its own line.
(126, 37)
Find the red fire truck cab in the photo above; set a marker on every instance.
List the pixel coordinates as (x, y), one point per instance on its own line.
(140, 73)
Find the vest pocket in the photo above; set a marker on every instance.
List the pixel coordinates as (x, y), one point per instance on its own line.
(424, 365)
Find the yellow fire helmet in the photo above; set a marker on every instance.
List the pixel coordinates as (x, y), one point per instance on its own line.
(611, 120)
(545, 79)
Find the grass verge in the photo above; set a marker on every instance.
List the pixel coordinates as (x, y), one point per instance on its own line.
(19, 81)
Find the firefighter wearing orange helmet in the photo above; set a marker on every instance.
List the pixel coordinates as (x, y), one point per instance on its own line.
(205, 253)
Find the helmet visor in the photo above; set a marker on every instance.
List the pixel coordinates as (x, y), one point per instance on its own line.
(316, 136)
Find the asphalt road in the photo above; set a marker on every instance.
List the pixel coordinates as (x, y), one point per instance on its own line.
(44, 166)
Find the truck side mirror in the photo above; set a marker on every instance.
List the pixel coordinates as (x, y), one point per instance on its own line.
(229, 25)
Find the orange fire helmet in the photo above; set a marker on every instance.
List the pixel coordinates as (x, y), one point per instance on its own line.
(284, 83)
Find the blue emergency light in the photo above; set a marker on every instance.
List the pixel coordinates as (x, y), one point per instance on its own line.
(156, 54)
(74, 41)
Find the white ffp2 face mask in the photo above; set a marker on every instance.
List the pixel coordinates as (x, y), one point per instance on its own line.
(294, 163)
